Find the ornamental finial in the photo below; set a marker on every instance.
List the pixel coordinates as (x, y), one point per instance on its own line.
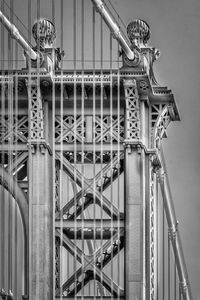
(138, 32)
(44, 32)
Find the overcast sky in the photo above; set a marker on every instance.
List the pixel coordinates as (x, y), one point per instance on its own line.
(175, 31)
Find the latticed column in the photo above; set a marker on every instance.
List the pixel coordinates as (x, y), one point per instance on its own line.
(36, 113)
(132, 114)
(140, 194)
(40, 197)
(134, 197)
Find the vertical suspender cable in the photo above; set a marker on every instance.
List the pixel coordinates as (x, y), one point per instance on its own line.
(9, 162)
(61, 150)
(27, 263)
(11, 142)
(2, 115)
(15, 287)
(69, 265)
(16, 208)
(119, 204)
(118, 242)
(94, 134)
(118, 174)
(29, 30)
(53, 161)
(82, 129)
(111, 158)
(75, 142)
(38, 183)
(101, 109)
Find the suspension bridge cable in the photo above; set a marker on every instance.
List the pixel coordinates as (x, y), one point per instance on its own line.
(119, 18)
(18, 19)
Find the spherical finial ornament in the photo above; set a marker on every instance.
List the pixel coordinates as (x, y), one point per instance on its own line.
(44, 31)
(138, 32)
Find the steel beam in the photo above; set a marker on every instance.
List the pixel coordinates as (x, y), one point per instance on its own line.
(89, 223)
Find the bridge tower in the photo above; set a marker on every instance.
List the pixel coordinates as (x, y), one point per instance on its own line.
(81, 161)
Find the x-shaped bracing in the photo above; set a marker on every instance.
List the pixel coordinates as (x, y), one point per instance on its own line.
(17, 130)
(69, 128)
(92, 265)
(103, 132)
(91, 192)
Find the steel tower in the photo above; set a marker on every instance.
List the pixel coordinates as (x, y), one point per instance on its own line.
(81, 161)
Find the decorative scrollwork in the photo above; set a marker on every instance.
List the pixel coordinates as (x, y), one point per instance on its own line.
(144, 86)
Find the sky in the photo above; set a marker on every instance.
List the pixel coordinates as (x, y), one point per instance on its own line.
(175, 31)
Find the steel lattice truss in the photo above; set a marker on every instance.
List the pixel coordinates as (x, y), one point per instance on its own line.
(111, 229)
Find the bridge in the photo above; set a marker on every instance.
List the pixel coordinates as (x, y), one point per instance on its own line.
(86, 207)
